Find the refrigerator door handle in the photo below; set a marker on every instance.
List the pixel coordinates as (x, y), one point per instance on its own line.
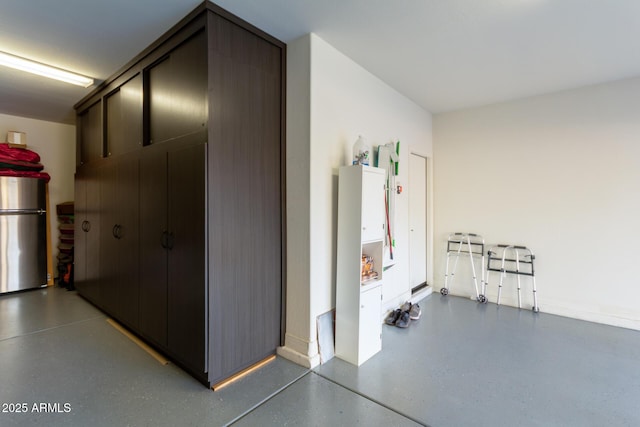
(23, 212)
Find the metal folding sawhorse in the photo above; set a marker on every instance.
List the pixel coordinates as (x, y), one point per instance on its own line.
(518, 260)
(465, 244)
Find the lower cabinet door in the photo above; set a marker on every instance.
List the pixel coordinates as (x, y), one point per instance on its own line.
(153, 252)
(370, 341)
(128, 241)
(173, 252)
(109, 269)
(86, 248)
(186, 242)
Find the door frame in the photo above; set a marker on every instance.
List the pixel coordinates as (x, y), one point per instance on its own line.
(428, 219)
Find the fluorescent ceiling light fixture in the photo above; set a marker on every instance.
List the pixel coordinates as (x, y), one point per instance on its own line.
(22, 64)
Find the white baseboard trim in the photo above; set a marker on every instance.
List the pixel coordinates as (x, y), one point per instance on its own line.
(300, 351)
(571, 312)
(299, 358)
(589, 316)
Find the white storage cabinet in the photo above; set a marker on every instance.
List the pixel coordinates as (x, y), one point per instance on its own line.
(361, 231)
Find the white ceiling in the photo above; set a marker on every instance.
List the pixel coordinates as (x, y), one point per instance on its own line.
(443, 54)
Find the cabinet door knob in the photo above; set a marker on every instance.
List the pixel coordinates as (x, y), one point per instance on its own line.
(117, 231)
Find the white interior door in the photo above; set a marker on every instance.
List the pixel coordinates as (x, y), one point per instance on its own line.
(417, 220)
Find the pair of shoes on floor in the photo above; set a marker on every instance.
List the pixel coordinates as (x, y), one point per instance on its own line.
(401, 317)
(413, 310)
(398, 318)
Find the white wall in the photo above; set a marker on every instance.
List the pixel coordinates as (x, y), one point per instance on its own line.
(56, 145)
(559, 173)
(342, 101)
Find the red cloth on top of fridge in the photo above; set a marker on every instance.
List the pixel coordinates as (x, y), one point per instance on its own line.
(21, 162)
(26, 174)
(20, 165)
(22, 154)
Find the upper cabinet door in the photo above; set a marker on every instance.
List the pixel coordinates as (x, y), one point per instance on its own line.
(176, 91)
(90, 133)
(123, 117)
(373, 207)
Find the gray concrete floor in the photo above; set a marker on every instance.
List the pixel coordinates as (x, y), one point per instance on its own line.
(461, 364)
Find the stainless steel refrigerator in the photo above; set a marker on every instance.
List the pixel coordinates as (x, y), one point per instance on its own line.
(23, 234)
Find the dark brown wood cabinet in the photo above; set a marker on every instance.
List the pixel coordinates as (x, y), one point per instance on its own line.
(181, 165)
(245, 172)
